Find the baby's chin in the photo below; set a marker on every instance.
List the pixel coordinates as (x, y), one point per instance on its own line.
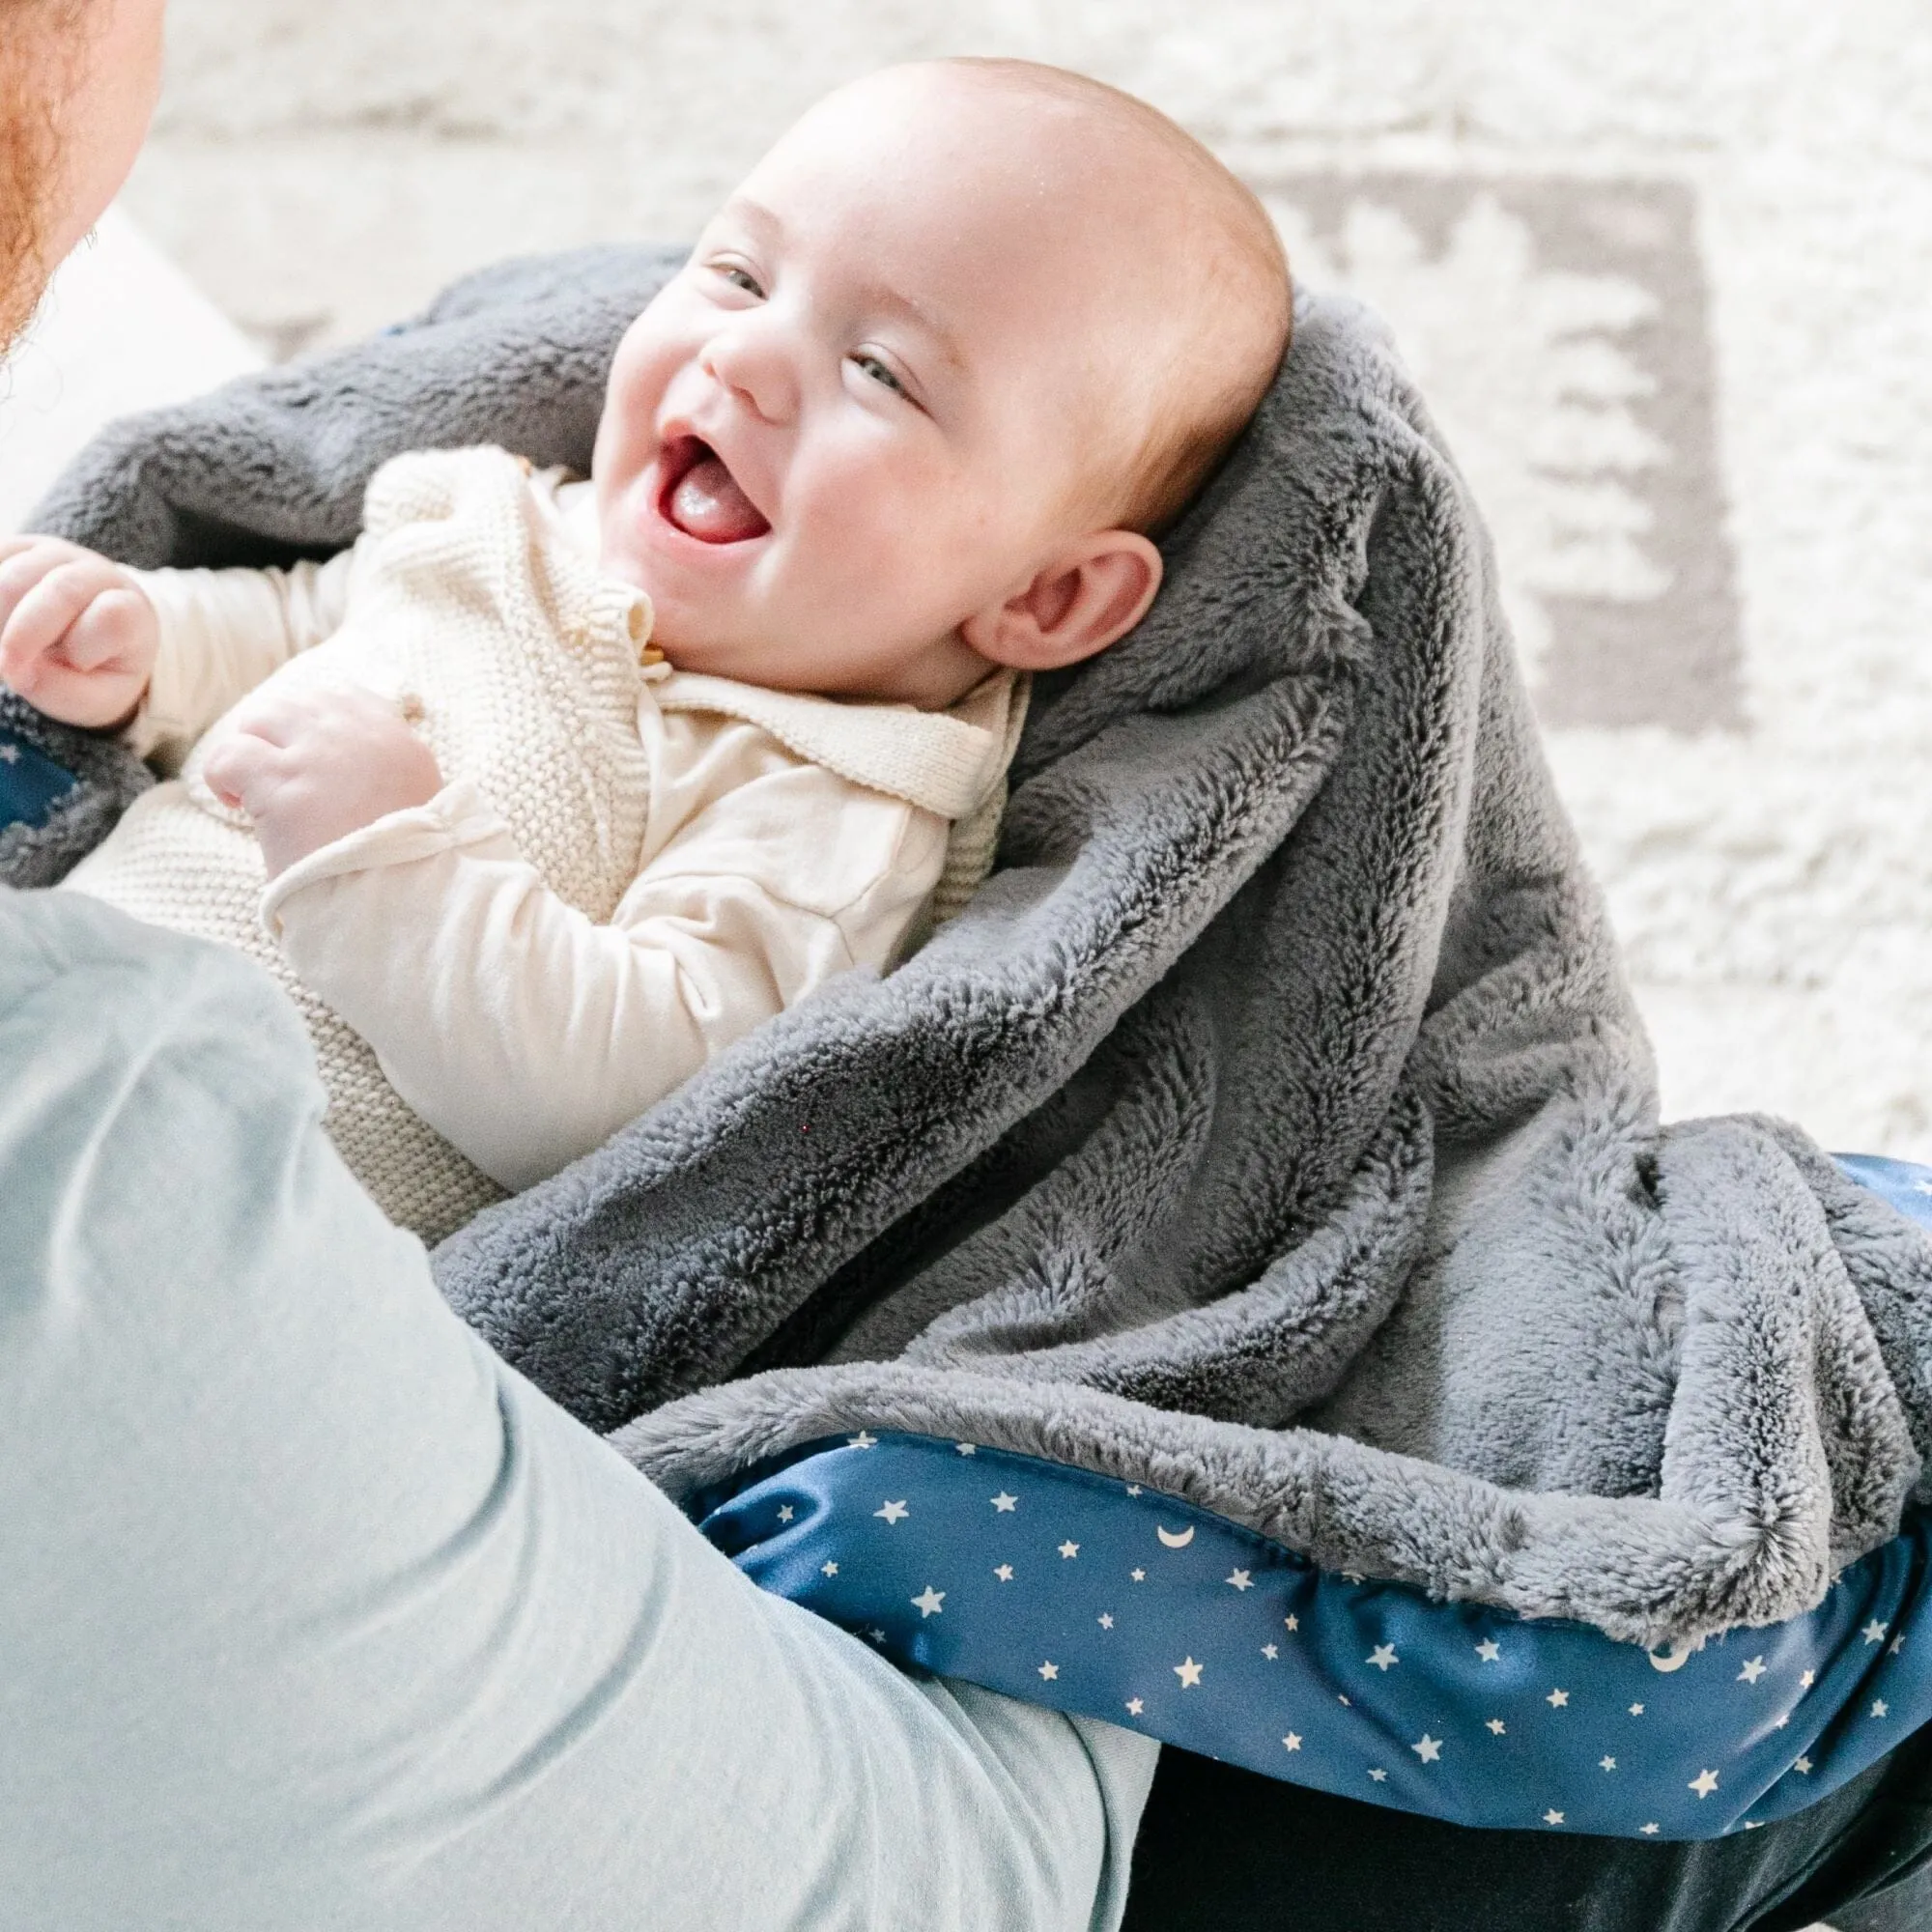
(695, 639)
(698, 626)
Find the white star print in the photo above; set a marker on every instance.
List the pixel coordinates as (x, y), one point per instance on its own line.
(1810, 1678)
(1006, 1504)
(1426, 1748)
(1379, 1774)
(1557, 1700)
(1553, 1817)
(1704, 1783)
(1802, 1765)
(1880, 1709)
(1351, 1577)
(967, 1448)
(1139, 1576)
(1636, 1709)
(1271, 1652)
(828, 1568)
(1133, 1489)
(877, 1635)
(927, 1603)
(1606, 1764)
(1383, 1658)
(1754, 1824)
(785, 1512)
(1004, 1572)
(1069, 1550)
(1292, 1741)
(1751, 1671)
(1489, 1650)
(1340, 1699)
(1189, 1674)
(1895, 1645)
(1874, 1632)
(1651, 1830)
(1240, 1580)
(1105, 1621)
(1498, 1726)
(1049, 1671)
(1780, 1722)
(1290, 1623)
(1135, 1707)
(894, 1511)
(10, 754)
(865, 1439)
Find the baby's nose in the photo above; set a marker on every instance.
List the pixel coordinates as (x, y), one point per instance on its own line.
(752, 361)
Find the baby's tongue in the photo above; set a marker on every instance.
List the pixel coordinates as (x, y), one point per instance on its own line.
(708, 504)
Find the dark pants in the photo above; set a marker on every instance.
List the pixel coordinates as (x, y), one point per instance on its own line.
(1222, 1848)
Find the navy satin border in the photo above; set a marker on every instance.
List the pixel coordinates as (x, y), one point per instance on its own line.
(1061, 1587)
(31, 783)
(1073, 1590)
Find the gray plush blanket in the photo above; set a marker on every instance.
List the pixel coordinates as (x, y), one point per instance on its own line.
(1275, 1128)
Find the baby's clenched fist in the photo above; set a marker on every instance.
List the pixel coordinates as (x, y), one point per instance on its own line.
(310, 767)
(77, 633)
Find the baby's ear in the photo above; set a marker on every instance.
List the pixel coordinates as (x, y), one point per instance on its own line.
(1097, 590)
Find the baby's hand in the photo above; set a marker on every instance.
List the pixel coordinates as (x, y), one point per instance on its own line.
(311, 767)
(77, 633)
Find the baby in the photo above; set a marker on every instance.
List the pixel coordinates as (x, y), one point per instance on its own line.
(547, 790)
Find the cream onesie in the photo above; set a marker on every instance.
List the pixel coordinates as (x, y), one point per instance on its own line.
(628, 867)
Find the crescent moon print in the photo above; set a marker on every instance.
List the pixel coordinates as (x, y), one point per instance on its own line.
(1173, 1542)
(1675, 1657)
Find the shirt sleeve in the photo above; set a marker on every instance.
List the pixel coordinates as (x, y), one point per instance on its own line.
(526, 1033)
(222, 632)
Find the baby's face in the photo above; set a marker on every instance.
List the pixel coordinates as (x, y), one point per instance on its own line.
(863, 410)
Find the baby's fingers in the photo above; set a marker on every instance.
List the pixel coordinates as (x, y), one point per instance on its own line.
(24, 563)
(56, 548)
(241, 768)
(107, 634)
(271, 717)
(290, 718)
(43, 616)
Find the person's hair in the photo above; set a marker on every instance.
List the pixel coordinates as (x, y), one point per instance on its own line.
(38, 40)
(1239, 295)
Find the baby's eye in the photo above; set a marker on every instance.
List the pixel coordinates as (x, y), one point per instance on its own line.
(870, 365)
(738, 276)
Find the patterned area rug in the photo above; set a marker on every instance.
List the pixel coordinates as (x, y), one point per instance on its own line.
(1660, 267)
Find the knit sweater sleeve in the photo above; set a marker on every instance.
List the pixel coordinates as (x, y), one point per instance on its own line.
(222, 632)
(526, 1033)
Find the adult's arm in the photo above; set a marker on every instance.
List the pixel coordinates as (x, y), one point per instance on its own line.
(315, 1614)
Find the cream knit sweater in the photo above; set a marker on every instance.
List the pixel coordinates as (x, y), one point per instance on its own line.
(627, 869)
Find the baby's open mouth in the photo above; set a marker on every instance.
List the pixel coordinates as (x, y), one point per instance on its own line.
(702, 497)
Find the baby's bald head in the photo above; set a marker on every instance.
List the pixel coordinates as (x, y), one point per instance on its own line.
(1204, 286)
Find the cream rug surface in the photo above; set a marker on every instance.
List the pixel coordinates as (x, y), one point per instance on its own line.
(1661, 267)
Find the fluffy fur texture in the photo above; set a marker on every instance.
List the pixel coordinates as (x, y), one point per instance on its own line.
(1274, 1128)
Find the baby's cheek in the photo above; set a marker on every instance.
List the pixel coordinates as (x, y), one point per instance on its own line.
(890, 505)
(639, 374)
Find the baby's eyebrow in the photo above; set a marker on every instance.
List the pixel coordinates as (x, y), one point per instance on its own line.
(868, 294)
(896, 302)
(755, 213)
